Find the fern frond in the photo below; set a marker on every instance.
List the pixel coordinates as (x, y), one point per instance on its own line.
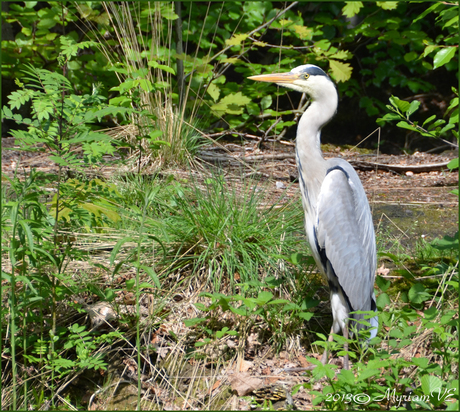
(19, 98)
(50, 82)
(70, 48)
(43, 109)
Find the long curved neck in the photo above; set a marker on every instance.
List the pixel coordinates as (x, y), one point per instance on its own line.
(310, 161)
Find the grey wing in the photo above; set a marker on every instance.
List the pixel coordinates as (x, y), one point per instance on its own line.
(345, 233)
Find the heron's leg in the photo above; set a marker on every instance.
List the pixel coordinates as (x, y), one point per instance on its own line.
(345, 348)
(325, 353)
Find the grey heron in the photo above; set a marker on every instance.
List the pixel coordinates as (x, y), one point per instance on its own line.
(338, 219)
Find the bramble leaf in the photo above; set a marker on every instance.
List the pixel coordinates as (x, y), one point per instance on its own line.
(352, 8)
(340, 71)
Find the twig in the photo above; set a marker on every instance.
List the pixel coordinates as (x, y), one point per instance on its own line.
(358, 164)
(275, 46)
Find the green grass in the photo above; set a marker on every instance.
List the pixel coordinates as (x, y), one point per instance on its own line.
(219, 233)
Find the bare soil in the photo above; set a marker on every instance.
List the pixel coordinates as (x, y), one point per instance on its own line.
(406, 185)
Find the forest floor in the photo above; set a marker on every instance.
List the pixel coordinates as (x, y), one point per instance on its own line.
(398, 187)
(410, 196)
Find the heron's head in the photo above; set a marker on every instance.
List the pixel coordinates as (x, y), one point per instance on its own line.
(307, 78)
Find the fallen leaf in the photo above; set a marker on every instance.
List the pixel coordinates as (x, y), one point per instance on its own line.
(243, 383)
(253, 339)
(266, 371)
(231, 343)
(94, 406)
(245, 366)
(382, 270)
(162, 352)
(214, 387)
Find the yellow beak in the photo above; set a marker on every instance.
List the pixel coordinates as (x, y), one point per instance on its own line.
(276, 77)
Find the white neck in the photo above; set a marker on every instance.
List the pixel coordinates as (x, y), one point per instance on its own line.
(309, 156)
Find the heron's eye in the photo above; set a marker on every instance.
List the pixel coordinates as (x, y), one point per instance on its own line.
(306, 76)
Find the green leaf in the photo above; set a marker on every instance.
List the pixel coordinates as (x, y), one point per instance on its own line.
(201, 307)
(431, 313)
(27, 31)
(405, 125)
(408, 57)
(300, 259)
(146, 85)
(383, 300)
(429, 120)
(447, 317)
(213, 91)
(452, 21)
(158, 144)
(302, 32)
(323, 370)
(28, 232)
(340, 71)
(163, 67)
(446, 243)
(109, 295)
(156, 134)
(430, 384)
(382, 283)
(418, 294)
(427, 11)
(396, 333)
(46, 23)
(236, 39)
(341, 55)
(387, 5)
(266, 102)
(130, 284)
(453, 164)
(368, 373)
(413, 107)
(446, 128)
(421, 362)
(306, 315)
(152, 275)
(443, 56)
(7, 112)
(168, 13)
(429, 49)
(117, 247)
(402, 105)
(230, 104)
(242, 311)
(346, 376)
(264, 297)
(352, 8)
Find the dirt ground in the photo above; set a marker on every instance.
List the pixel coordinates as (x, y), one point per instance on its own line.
(418, 178)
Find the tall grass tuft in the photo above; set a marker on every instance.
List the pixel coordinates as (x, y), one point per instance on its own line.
(219, 231)
(229, 235)
(164, 132)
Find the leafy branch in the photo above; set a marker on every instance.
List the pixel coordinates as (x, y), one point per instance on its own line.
(401, 111)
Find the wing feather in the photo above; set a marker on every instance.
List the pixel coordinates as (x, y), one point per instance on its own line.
(345, 232)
